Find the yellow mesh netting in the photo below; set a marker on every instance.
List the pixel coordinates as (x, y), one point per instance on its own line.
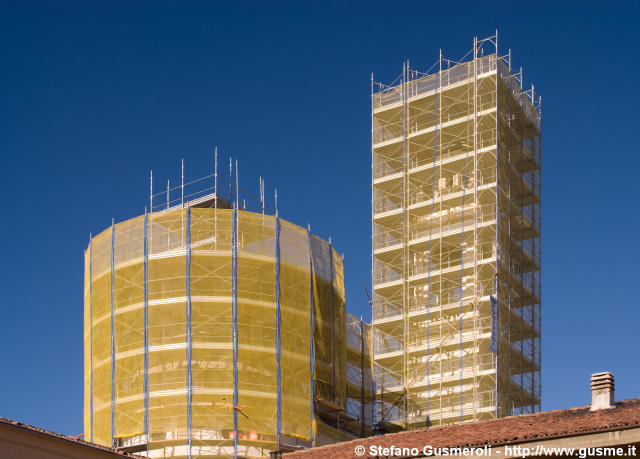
(211, 331)
(327, 435)
(323, 333)
(257, 385)
(339, 326)
(167, 325)
(295, 331)
(101, 346)
(368, 378)
(128, 324)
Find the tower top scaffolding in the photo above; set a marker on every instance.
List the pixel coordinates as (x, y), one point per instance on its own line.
(213, 190)
(481, 48)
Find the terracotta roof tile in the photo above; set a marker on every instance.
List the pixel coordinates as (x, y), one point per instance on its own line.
(508, 430)
(69, 438)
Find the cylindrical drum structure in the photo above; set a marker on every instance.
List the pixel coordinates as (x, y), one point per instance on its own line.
(204, 329)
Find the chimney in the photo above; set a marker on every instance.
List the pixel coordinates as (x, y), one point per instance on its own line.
(602, 391)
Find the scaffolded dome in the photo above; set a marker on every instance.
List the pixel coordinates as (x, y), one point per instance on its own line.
(204, 329)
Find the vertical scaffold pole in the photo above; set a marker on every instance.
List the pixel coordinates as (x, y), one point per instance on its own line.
(510, 230)
(362, 408)
(151, 192)
(440, 173)
(182, 199)
(312, 351)
(522, 233)
(373, 236)
(215, 202)
(237, 187)
(497, 241)
(538, 291)
(230, 180)
(405, 248)
(91, 333)
(475, 229)
(333, 324)
(462, 247)
(234, 318)
(113, 349)
(429, 256)
(215, 178)
(182, 183)
(189, 345)
(146, 328)
(464, 189)
(510, 299)
(261, 182)
(278, 333)
(168, 194)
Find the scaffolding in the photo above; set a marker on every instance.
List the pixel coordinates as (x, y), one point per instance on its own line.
(456, 157)
(216, 331)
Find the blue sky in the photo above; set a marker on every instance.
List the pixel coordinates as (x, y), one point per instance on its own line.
(95, 94)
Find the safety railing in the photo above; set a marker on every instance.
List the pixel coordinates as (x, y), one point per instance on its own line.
(451, 220)
(384, 343)
(451, 258)
(382, 132)
(520, 96)
(382, 168)
(384, 273)
(382, 308)
(387, 96)
(385, 377)
(452, 184)
(383, 202)
(446, 298)
(447, 77)
(383, 238)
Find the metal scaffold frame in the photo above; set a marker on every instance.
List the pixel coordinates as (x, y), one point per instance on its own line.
(213, 327)
(452, 183)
